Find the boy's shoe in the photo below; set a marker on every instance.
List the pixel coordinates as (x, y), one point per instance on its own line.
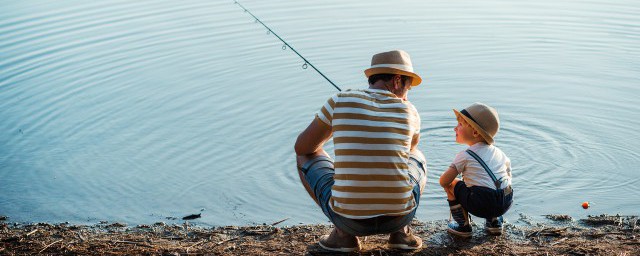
(461, 224)
(404, 240)
(338, 241)
(494, 226)
(459, 230)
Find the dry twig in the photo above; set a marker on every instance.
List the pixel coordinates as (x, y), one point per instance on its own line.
(49, 245)
(33, 231)
(135, 243)
(559, 241)
(228, 240)
(280, 221)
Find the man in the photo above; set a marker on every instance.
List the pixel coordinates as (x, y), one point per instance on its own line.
(375, 183)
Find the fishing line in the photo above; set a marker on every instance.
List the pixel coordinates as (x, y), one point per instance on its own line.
(284, 47)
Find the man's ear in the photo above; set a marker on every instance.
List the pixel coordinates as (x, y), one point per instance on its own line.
(476, 134)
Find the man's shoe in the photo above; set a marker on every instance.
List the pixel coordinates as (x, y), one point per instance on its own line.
(404, 240)
(494, 226)
(339, 241)
(459, 230)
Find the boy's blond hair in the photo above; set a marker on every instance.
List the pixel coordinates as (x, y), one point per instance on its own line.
(465, 123)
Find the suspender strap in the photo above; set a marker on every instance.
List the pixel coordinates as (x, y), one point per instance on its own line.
(486, 168)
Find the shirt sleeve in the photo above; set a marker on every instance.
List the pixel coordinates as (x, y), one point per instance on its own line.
(460, 161)
(326, 112)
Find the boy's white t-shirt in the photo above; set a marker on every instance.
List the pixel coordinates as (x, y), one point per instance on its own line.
(473, 173)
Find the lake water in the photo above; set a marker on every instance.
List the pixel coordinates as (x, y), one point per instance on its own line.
(136, 111)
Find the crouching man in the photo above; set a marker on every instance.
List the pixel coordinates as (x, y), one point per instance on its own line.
(374, 184)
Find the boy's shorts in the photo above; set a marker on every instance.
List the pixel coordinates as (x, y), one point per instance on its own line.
(483, 202)
(318, 173)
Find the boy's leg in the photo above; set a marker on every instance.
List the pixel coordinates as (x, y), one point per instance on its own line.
(450, 190)
(461, 224)
(494, 226)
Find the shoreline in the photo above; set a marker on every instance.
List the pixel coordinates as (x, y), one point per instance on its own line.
(596, 235)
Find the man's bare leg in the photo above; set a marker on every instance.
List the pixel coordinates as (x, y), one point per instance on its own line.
(337, 240)
(300, 161)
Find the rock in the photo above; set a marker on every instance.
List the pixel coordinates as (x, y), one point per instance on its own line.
(192, 216)
(117, 225)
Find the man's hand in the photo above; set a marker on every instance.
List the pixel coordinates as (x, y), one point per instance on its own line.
(312, 139)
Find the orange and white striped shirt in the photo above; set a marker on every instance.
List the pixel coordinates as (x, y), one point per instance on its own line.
(372, 133)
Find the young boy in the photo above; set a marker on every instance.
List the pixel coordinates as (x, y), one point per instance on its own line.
(485, 190)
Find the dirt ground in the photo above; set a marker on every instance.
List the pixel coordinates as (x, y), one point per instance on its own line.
(597, 235)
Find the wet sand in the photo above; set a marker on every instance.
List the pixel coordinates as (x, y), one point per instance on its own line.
(559, 235)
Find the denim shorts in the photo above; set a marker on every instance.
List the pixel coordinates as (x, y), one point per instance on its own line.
(483, 202)
(318, 173)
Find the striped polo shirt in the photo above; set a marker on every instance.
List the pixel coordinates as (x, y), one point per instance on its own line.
(372, 132)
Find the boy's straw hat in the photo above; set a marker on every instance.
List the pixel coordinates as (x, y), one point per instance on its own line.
(395, 62)
(482, 118)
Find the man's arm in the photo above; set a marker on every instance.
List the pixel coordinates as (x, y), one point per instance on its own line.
(414, 141)
(414, 146)
(311, 140)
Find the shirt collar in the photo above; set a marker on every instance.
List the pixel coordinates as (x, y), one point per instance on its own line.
(479, 145)
(385, 92)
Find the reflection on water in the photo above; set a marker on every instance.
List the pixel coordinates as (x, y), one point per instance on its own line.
(138, 111)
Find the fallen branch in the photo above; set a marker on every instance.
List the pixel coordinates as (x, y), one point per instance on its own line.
(559, 241)
(278, 222)
(203, 241)
(31, 233)
(173, 237)
(228, 240)
(259, 232)
(49, 246)
(135, 243)
(548, 232)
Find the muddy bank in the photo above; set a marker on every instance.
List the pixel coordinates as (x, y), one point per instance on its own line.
(560, 235)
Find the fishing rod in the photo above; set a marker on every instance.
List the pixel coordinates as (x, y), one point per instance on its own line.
(284, 47)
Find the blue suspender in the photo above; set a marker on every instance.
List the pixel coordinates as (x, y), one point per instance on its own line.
(486, 168)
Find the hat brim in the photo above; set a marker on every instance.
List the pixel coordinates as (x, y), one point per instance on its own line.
(485, 135)
(384, 70)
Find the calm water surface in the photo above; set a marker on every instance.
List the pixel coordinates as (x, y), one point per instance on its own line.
(138, 111)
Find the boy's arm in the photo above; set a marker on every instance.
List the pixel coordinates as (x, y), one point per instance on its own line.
(448, 176)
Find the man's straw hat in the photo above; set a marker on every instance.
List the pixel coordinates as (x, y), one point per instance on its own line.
(395, 62)
(482, 118)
